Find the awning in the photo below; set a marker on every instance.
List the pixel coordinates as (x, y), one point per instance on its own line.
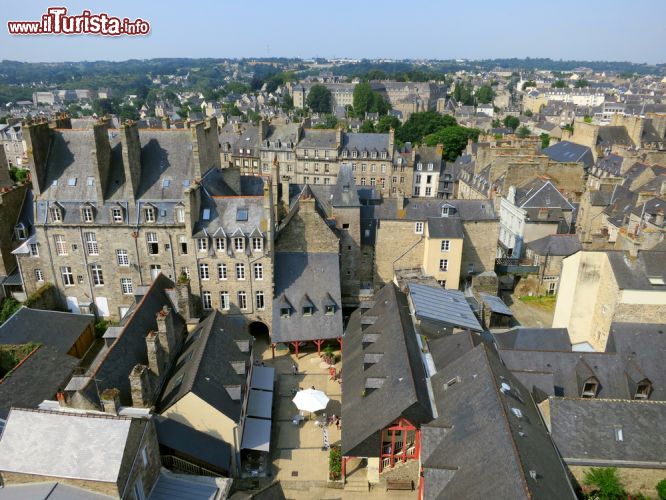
(262, 378)
(259, 404)
(14, 279)
(256, 434)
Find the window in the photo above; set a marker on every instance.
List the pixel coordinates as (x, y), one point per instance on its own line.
(39, 275)
(445, 245)
(221, 271)
(149, 214)
(240, 271)
(238, 244)
(419, 166)
(126, 286)
(428, 191)
(643, 390)
(21, 233)
(552, 288)
(416, 191)
(428, 179)
(224, 300)
(373, 181)
(242, 301)
(182, 243)
(219, 244)
(180, 214)
(418, 228)
(79, 278)
(117, 215)
(87, 214)
(97, 277)
(330, 310)
(430, 166)
(589, 389)
(442, 283)
(443, 264)
(122, 257)
(259, 300)
(60, 244)
(151, 239)
(308, 310)
(258, 271)
(56, 214)
(285, 311)
(202, 244)
(203, 271)
(418, 178)
(67, 276)
(185, 271)
(34, 250)
(206, 301)
(364, 167)
(91, 243)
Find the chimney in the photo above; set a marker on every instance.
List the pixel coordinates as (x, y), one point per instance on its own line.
(110, 400)
(167, 332)
(199, 153)
(140, 385)
(192, 199)
(102, 157)
(263, 129)
(185, 308)
(338, 137)
(37, 136)
(156, 354)
(60, 396)
(267, 219)
(391, 144)
(61, 120)
(131, 153)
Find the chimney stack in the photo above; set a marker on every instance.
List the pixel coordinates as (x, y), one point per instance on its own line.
(156, 354)
(110, 400)
(166, 332)
(141, 387)
(131, 154)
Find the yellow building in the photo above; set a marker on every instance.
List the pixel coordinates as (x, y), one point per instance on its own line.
(442, 255)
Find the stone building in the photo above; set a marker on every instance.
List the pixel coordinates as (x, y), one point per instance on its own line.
(547, 253)
(427, 168)
(11, 140)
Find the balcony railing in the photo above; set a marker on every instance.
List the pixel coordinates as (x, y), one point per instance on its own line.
(178, 464)
(515, 266)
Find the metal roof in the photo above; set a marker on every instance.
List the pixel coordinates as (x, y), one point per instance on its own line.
(448, 306)
(495, 304)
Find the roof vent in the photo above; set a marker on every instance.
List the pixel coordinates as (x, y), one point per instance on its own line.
(517, 412)
(505, 387)
(533, 474)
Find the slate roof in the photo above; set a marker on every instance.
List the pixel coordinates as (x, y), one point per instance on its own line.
(611, 135)
(447, 348)
(420, 209)
(495, 304)
(48, 491)
(59, 330)
(539, 193)
(565, 151)
(610, 164)
(446, 306)
(635, 274)
(538, 339)
(191, 442)
(88, 447)
(204, 366)
(318, 138)
(366, 142)
(650, 209)
(556, 245)
(386, 350)
(314, 277)
(39, 376)
(445, 227)
(344, 193)
(587, 432)
(485, 413)
(170, 486)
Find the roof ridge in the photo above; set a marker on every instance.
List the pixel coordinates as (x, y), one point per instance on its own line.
(86, 414)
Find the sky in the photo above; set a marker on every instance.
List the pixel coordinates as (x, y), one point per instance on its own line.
(611, 30)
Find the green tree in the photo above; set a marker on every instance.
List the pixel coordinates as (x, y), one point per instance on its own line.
(319, 99)
(581, 83)
(387, 123)
(9, 307)
(287, 103)
(529, 83)
(485, 94)
(330, 121)
(523, 132)
(421, 124)
(454, 139)
(587, 119)
(559, 84)
(363, 99)
(367, 127)
(103, 107)
(661, 489)
(545, 140)
(463, 93)
(528, 113)
(496, 123)
(128, 112)
(511, 122)
(606, 482)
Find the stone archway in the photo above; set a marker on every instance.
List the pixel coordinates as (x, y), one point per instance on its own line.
(259, 331)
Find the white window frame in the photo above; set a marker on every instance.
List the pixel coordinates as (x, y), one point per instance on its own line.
(206, 300)
(220, 244)
(204, 271)
(224, 300)
(242, 300)
(117, 215)
(443, 265)
(39, 275)
(34, 250)
(92, 248)
(60, 244)
(202, 244)
(126, 286)
(56, 214)
(240, 271)
(67, 276)
(148, 214)
(180, 215)
(258, 272)
(151, 238)
(222, 273)
(97, 275)
(445, 246)
(239, 244)
(418, 227)
(87, 214)
(260, 302)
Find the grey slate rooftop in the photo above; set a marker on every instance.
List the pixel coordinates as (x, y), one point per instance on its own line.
(421, 209)
(446, 306)
(646, 272)
(445, 227)
(565, 151)
(556, 245)
(596, 432)
(484, 413)
(539, 339)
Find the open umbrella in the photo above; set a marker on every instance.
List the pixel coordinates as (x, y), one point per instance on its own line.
(310, 400)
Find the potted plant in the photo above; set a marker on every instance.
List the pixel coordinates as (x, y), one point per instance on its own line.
(328, 355)
(335, 463)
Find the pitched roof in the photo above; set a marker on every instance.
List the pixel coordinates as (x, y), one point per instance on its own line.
(344, 193)
(539, 193)
(540, 339)
(606, 432)
(60, 330)
(646, 272)
(302, 277)
(48, 491)
(419, 209)
(446, 306)
(88, 447)
(556, 244)
(483, 411)
(384, 375)
(205, 365)
(565, 151)
(445, 227)
(495, 304)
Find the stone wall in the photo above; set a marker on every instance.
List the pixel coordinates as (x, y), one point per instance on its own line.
(397, 247)
(348, 224)
(11, 202)
(479, 246)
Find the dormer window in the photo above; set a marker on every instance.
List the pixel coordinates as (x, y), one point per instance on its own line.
(239, 244)
(643, 390)
(383, 155)
(365, 154)
(330, 310)
(21, 232)
(285, 312)
(590, 389)
(56, 214)
(430, 166)
(257, 244)
(117, 215)
(354, 154)
(202, 244)
(180, 214)
(344, 154)
(374, 155)
(308, 310)
(87, 214)
(149, 214)
(419, 166)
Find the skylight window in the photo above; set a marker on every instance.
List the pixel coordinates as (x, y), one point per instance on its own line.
(186, 183)
(71, 181)
(242, 214)
(166, 183)
(91, 181)
(206, 214)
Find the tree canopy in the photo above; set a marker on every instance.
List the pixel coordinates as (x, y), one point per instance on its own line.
(511, 122)
(386, 123)
(463, 93)
(367, 100)
(559, 84)
(485, 94)
(319, 99)
(523, 132)
(421, 124)
(454, 138)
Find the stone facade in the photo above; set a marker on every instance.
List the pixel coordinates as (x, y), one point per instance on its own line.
(11, 202)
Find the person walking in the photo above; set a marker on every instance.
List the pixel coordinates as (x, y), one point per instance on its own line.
(294, 369)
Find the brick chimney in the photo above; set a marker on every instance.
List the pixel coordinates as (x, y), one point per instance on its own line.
(338, 137)
(167, 332)
(102, 157)
(110, 400)
(141, 386)
(37, 136)
(156, 356)
(185, 306)
(131, 153)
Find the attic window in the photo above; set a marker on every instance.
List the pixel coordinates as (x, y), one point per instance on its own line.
(285, 311)
(21, 233)
(619, 435)
(71, 181)
(643, 390)
(149, 214)
(166, 183)
(430, 166)
(451, 382)
(589, 389)
(91, 181)
(241, 214)
(308, 310)
(206, 214)
(239, 367)
(657, 281)
(330, 310)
